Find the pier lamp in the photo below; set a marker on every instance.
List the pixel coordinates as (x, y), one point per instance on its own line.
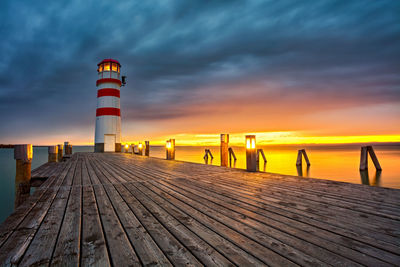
(140, 147)
(170, 147)
(251, 153)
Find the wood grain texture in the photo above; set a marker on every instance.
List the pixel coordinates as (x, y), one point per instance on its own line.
(116, 209)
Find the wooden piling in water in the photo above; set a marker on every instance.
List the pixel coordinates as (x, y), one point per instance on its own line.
(232, 154)
(300, 154)
(53, 151)
(224, 148)
(147, 148)
(23, 156)
(365, 150)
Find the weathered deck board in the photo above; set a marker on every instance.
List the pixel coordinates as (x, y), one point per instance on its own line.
(120, 209)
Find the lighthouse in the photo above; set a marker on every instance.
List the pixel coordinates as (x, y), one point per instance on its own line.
(108, 115)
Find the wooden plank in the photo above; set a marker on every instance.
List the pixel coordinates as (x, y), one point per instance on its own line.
(93, 245)
(261, 252)
(67, 249)
(315, 251)
(323, 221)
(147, 250)
(179, 223)
(172, 248)
(299, 183)
(353, 240)
(318, 237)
(15, 246)
(121, 250)
(41, 248)
(14, 220)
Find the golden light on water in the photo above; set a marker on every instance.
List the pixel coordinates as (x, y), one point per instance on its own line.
(269, 138)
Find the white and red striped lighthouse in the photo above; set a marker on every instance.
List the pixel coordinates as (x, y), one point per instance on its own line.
(108, 114)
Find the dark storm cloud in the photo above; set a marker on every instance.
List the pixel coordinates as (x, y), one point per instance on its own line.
(172, 51)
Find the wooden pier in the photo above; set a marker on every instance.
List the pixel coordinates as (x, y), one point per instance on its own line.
(99, 209)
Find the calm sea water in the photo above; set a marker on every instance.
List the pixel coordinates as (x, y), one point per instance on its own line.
(339, 163)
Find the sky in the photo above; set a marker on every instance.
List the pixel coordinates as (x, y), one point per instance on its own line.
(289, 71)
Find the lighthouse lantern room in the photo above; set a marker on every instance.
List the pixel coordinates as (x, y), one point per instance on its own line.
(108, 114)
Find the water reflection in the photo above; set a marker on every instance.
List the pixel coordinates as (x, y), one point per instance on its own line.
(300, 171)
(365, 178)
(263, 168)
(340, 163)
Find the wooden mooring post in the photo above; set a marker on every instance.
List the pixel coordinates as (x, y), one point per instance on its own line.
(232, 155)
(23, 156)
(365, 150)
(224, 148)
(251, 153)
(261, 152)
(170, 149)
(60, 148)
(53, 151)
(147, 148)
(67, 148)
(300, 154)
(208, 152)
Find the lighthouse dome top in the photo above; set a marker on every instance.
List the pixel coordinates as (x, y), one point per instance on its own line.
(109, 64)
(109, 60)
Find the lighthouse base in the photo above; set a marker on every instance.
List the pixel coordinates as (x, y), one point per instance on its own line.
(99, 147)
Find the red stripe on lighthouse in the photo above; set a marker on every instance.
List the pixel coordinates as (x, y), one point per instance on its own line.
(108, 112)
(108, 92)
(108, 80)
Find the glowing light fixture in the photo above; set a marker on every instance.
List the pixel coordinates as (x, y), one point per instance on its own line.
(170, 145)
(251, 153)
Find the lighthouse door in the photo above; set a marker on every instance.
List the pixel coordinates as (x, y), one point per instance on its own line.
(109, 143)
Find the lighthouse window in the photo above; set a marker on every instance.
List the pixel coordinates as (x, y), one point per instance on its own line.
(100, 68)
(114, 67)
(106, 66)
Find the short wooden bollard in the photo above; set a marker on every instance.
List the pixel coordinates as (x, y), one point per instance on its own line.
(23, 156)
(146, 148)
(300, 154)
(53, 151)
(60, 148)
(251, 153)
(140, 149)
(224, 148)
(67, 148)
(365, 150)
(170, 149)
